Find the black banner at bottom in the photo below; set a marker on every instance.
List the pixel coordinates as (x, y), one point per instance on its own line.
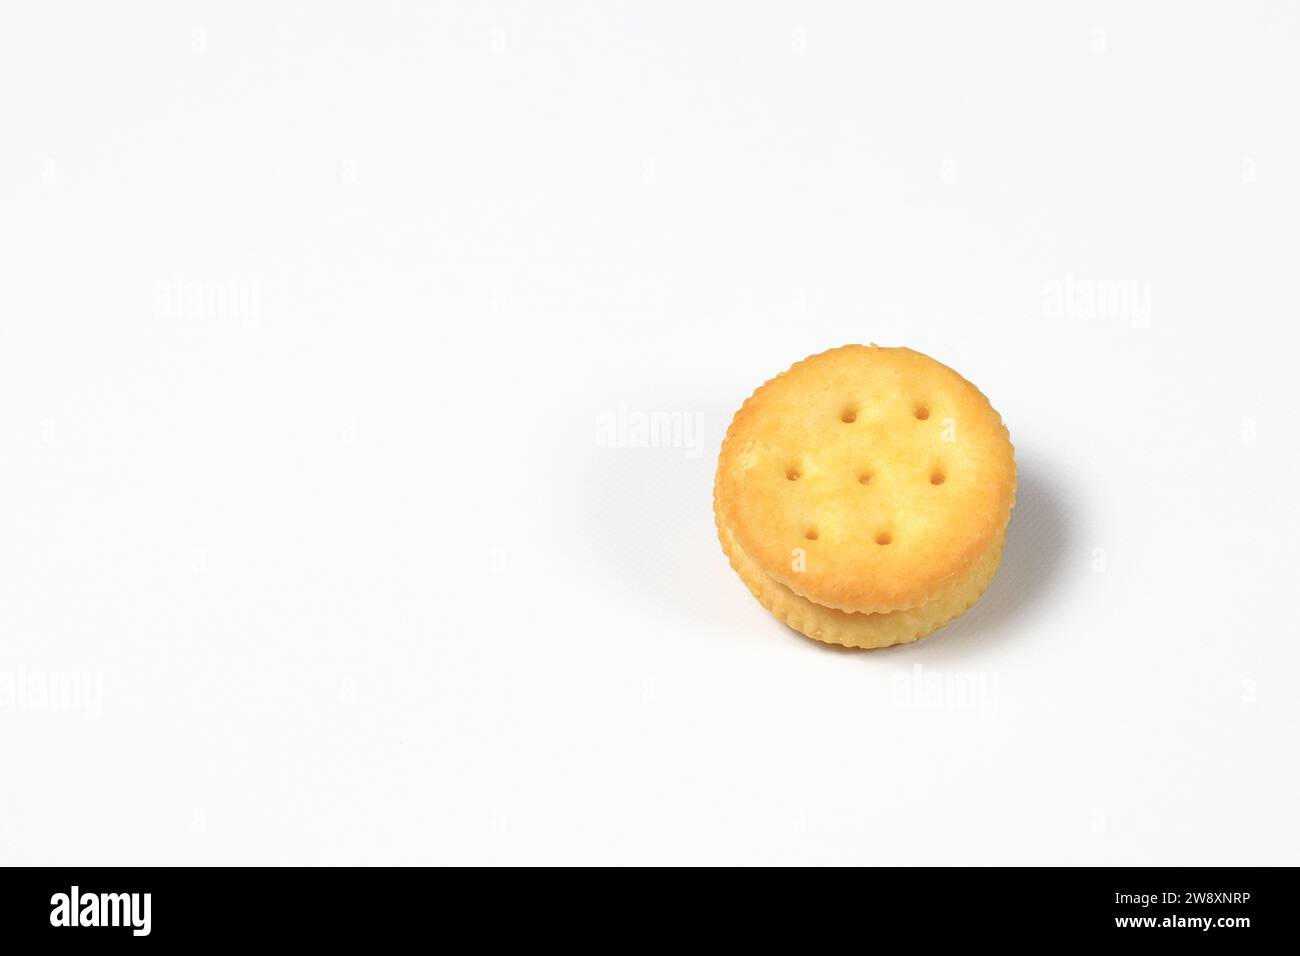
(111, 907)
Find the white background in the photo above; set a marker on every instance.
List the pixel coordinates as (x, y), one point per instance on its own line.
(316, 544)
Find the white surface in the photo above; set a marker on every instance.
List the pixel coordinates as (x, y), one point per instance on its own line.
(311, 325)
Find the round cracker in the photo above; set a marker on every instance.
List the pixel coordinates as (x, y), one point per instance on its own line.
(892, 473)
(854, 629)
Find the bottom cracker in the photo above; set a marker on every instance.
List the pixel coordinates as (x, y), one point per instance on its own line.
(833, 626)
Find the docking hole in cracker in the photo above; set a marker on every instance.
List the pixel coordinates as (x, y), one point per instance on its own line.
(893, 472)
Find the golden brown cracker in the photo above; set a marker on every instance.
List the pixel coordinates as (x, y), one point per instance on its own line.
(892, 473)
(856, 629)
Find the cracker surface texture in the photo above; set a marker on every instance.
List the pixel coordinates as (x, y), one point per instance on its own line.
(863, 495)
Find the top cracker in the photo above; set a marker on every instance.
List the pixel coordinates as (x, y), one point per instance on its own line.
(866, 479)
